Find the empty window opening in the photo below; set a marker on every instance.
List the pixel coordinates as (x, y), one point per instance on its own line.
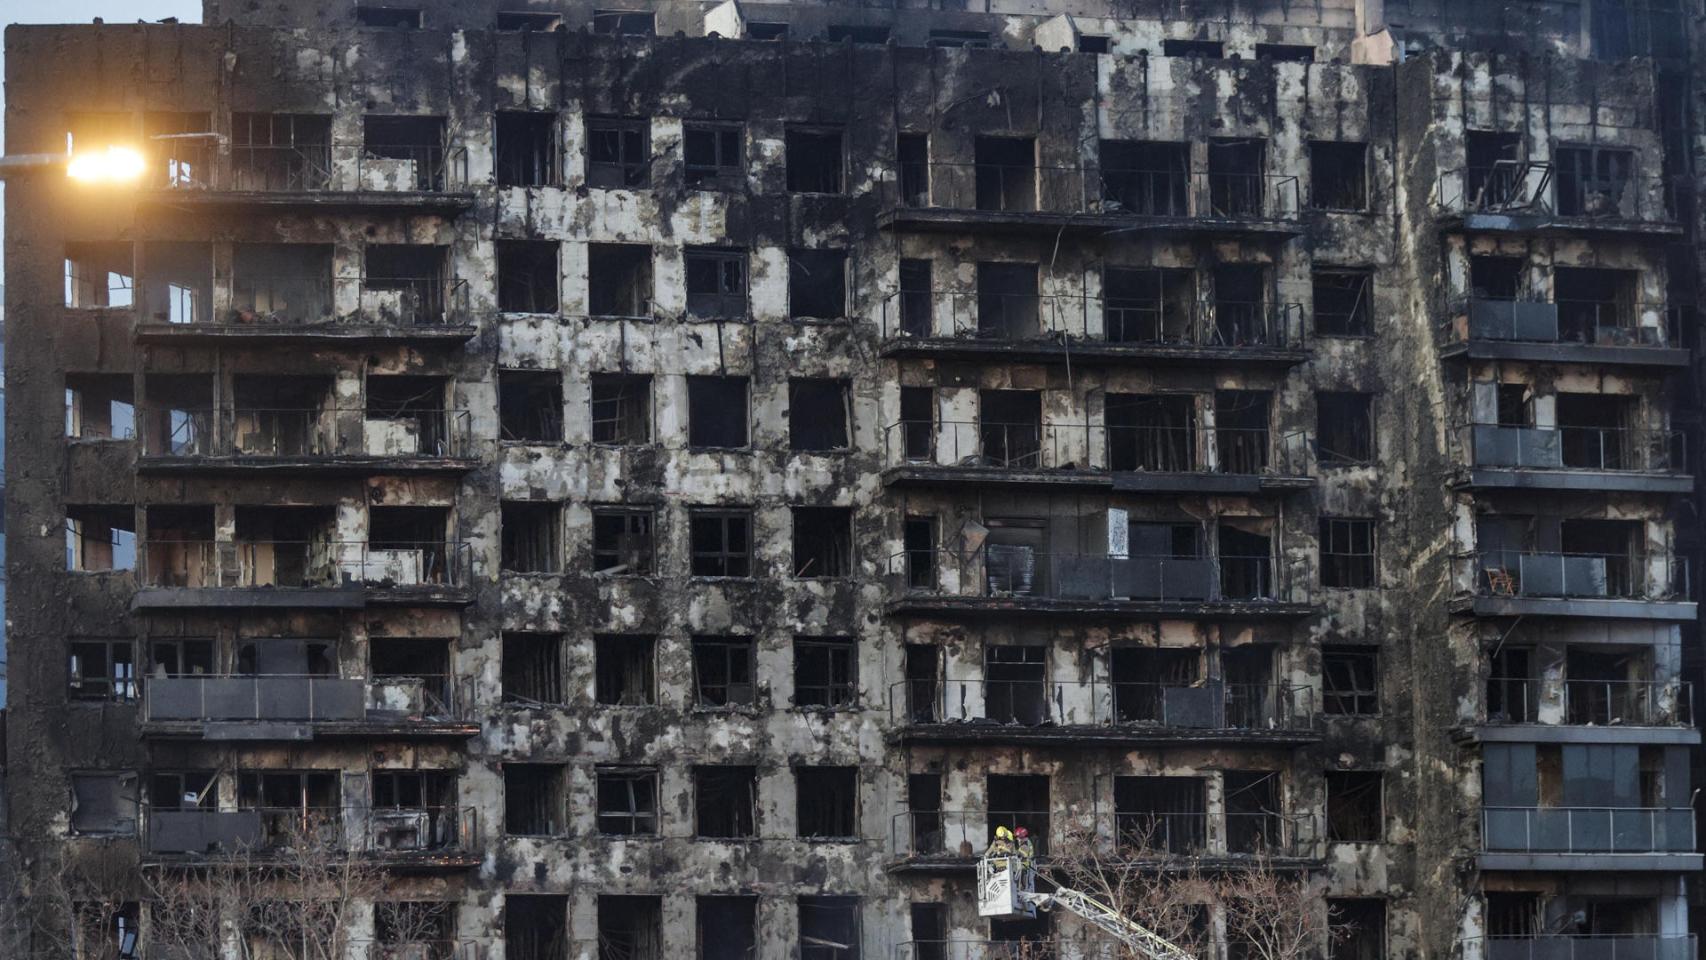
(1509, 914)
(1147, 178)
(826, 672)
(100, 538)
(1356, 928)
(817, 284)
(627, 801)
(1338, 175)
(829, 928)
(823, 541)
(914, 302)
(622, 541)
(814, 160)
(98, 406)
(630, 928)
(404, 661)
(527, 276)
(1605, 688)
(394, 17)
(1241, 419)
(624, 23)
(711, 152)
(1497, 278)
(1237, 185)
(1149, 306)
(1343, 306)
(281, 282)
(924, 690)
(1010, 428)
(1020, 800)
(917, 422)
(1594, 181)
(721, 542)
(536, 927)
(532, 536)
(525, 22)
(1253, 818)
(619, 279)
(530, 406)
(534, 799)
(1143, 676)
(103, 669)
(1092, 44)
(1595, 433)
(176, 282)
(1161, 814)
(618, 152)
(1595, 304)
(1015, 683)
(1288, 52)
(285, 656)
(403, 153)
(717, 413)
(923, 815)
(727, 928)
(1512, 690)
(1241, 312)
(856, 33)
(623, 668)
(177, 418)
(1246, 563)
(1008, 307)
(1151, 432)
(1495, 175)
(725, 801)
(104, 803)
(533, 668)
(1514, 403)
(819, 412)
(766, 31)
(912, 155)
(406, 415)
(621, 408)
(1350, 681)
(716, 283)
(527, 145)
(179, 552)
(99, 275)
(1006, 173)
(1344, 428)
(282, 416)
(827, 802)
(1611, 543)
(1206, 49)
(918, 539)
(106, 930)
(404, 283)
(280, 151)
(1354, 806)
(954, 39)
(723, 671)
(182, 790)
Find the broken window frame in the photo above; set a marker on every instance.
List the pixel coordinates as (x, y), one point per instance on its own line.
(1333, 403)
(547, 816)
(638, 817)
(728, 162)
(1581, 166)
(728, 268)
(822, 178)
(804, 424)
(625, 670)
(108, 683)
(1348, 549)
(539, 408)
(100, 527)
(1352, 815)
(1350, 681)
(839, 549)
(806, 302)
(836, 661)
(814, 944)
(623, 419)
(826, 803)
(84, 389)
(740, 820)
(1352, 937)
(731, 652)
(544, 654)
(538, 296)
(638, 532)
(630, 166)
(531, 537)
(82, 292)
(723, 561)
(1359, 322)
(605, 303)
(630, 926)
(122, 822)
(525, 936)
(280, 151)
(527, 166)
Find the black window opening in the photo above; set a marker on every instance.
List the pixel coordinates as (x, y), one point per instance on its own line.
(281, 283)
(1088, 43)
(711, 154)
(1020, 800)
(1141, 305)
(1495, 177)
(182, 790)
(917, 423)
(618, 152)
(829, 928)
(1344, 428)
(403, 153)
(1146, 178)
(1356, 928)
(536, 926)
(1598, 431)
(416, 406)
(1597, 305)
(723, 671)
(1343, 302)
(1006, 169)
(534, 799)
(826, 672)
(1354, 806)
(624, 672)
(1254, 823)
(914, 304)
(403, 18)
(103, 669)
(180, 656)
(815, 160)
(727, 927)
(528, 22)
(924, 823)
(100, 275)
(1246, 562)
(721, 542)
(924, 690)
(819, 414)
(532, 668)
(1285, 52)
(1237, 181)
(1015, 684)
(630, 927)
(530, 406)
(622, 541)
(716, 283)
(1347, 553)
(1008, 304)
(1241, 430)
(1167, 815)
(823, 542)
(1338, 175)
(817, 284)
(619, 280)
(108, 928)
(956, 39)
(856, 33)
(1596, 182)
(624, 23)
(919, 542)
(1142, 676)
(527, 276)
(1243, 314)
(1152, 432)
(1205, 49)
(176, 282)
(912, 155)
(826, 803)
(717, 413)
(725, 801)
(414, 928)
(532, 536)
(280, 151)
(1350, 681)
(621, 408)
(404, 283)
(756, 30)
(627, 801)
(528, 153)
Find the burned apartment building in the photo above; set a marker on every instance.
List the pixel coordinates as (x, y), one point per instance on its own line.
(670, 479)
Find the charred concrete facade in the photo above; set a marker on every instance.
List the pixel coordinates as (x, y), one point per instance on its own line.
(674, 479)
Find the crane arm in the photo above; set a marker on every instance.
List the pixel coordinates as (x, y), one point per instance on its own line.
(1140, 938)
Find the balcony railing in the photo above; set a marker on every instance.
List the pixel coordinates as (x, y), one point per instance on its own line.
(1528, 188)
(1622, 576)
(1098, 448)
(1004, 572)
(1587, 322)
(1135, 834)
(1633, 946)
(1616, 449)
(306, 432)
(314, 168)
(1210, 705)
(1587, 830)
(1600, 703)
(317, 564)
(1011, 317)
(361, 829)
(1111, 192)
(307, 698)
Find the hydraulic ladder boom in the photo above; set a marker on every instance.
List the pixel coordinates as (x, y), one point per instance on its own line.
(1006, 883)
(1140, 938)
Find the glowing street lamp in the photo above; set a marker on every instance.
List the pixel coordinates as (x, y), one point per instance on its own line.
(113, 166)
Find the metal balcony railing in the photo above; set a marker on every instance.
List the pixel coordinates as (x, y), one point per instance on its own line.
(1588, 322)
(1017, 317)
(1587, 830)
(309, 300)
(360, 829)
(306, 432)
(311, 168)
(1624, 576)
(1100, 448)
(1004, 571)
(1532, 187)
(1568, 447)
(315, 564)
(1210, 705)
(1631, 946)
(1601, 703)
(1137, 834)
(309, 698)
(1113, 192)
